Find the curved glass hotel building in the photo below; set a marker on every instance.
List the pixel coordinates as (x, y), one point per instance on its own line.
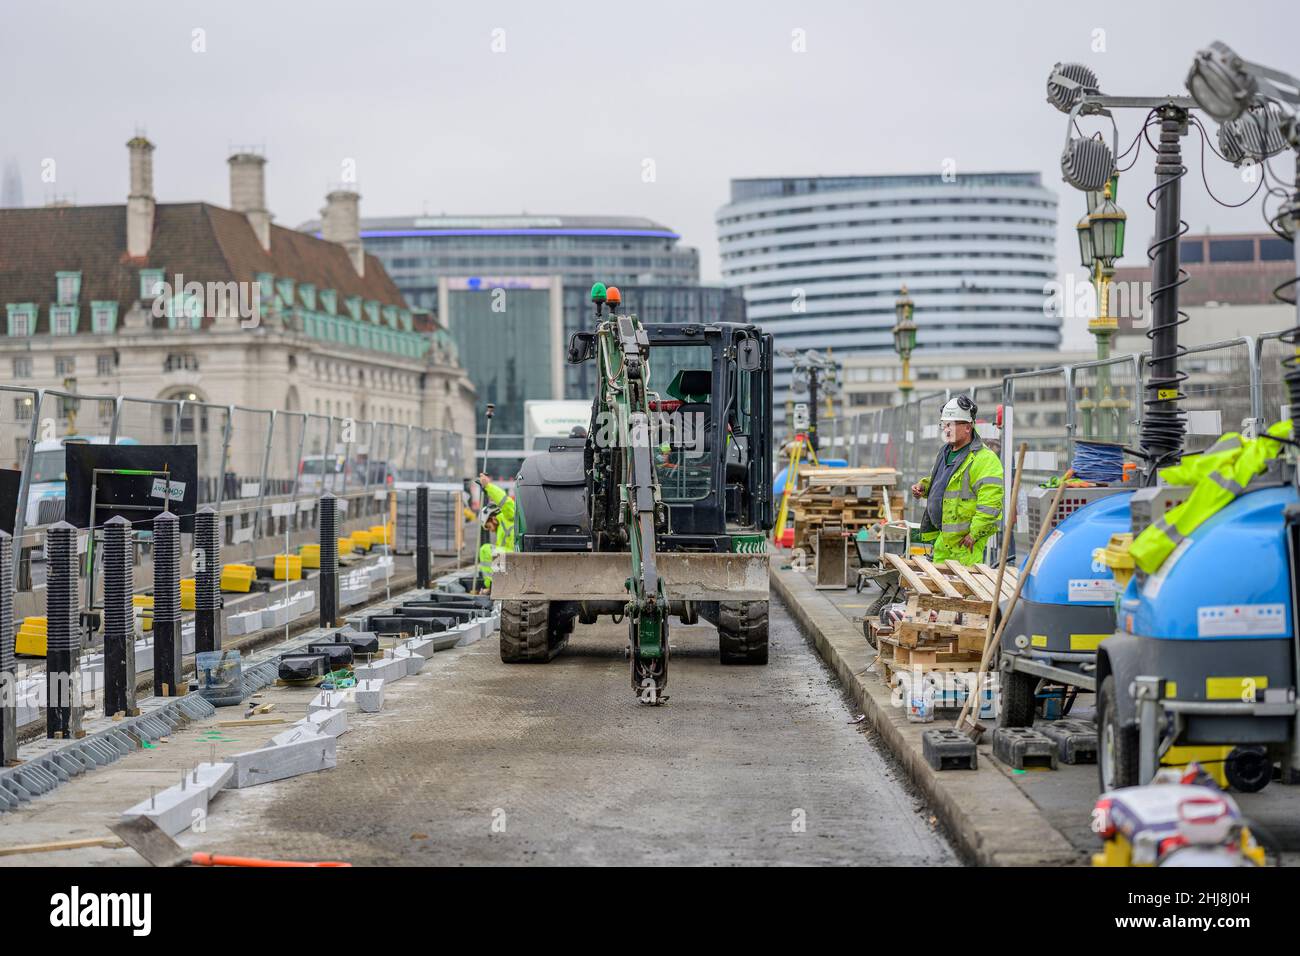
(821, 259)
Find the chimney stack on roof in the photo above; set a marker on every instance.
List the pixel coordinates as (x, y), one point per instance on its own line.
(248, 193)
(341, 223)
(140, 201)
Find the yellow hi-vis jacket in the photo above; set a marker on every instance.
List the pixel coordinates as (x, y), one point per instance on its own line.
(1220, 474)
(972, 504)
(505, 531)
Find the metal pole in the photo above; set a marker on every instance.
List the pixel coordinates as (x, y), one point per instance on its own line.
(422, 536)
(63, 632)
(167, 649)
(119, 619)
(329, 560)
(1163, 425)
(207, 581)
(1146, 692)
(8, 700)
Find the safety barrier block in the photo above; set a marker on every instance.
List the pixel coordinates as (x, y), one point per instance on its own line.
(414, 661)
(310, 555)
(370, 695)
(288, 567)
(187, 594)
(389, 669)
(328, 700)
(238, 577)
(30, 639)
(173, 809)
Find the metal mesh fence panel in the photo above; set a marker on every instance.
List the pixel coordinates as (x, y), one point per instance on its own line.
(1218, 391)
(1107, 400)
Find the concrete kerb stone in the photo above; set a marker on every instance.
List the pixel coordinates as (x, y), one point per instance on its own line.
(414, 662)
(388, 669)
(173, 809)
(328, 700)
(302, 751)
(992, 821)
(331, 723)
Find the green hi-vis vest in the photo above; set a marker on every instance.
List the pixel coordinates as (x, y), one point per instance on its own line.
(505, 537)
(972, 504)
(1220, 474)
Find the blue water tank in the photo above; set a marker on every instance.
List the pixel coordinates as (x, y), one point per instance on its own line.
(1065, 572)
(778, 485)
(1228, 580)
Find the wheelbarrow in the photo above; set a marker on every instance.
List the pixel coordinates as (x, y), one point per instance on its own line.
(874, 542)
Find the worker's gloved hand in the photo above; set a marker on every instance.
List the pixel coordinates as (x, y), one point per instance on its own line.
(917, 490)
(483, 479)
(968, 542)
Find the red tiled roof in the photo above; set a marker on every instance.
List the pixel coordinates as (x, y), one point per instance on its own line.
(200, 241)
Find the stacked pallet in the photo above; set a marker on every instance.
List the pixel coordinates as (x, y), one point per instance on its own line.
(946, 621)
(844, 498)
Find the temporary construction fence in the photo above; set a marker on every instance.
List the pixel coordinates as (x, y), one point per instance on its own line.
(263, 470)
(1235, 385)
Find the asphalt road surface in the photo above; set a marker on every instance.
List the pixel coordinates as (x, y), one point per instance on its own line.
(481, 762)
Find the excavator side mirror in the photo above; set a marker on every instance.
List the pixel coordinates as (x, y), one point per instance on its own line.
(582, 347)
(748, 355)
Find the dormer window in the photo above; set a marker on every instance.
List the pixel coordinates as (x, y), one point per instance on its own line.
(151, 283)
(63, 320)
(372, 312)
(22, 319)
(353, 303)
(307, 294)
(103, 317)
(329, 301)
(68, 287)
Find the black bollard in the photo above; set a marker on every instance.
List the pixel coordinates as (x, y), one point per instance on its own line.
(207, 581)
(167, 605)
(422, 536)
(63, 633)
(8, 679)
(329, 560)
(119, 618)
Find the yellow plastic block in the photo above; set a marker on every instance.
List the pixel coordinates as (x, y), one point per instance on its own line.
(1210, 758)
(362, 540)
(310, 555)
(345, 545)
(237, 577)
(288, 567)
(30, 639)
(187, 594)
(142, 600)
(380, 534)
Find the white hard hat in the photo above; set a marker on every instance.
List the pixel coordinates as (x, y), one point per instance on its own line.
(959, 409)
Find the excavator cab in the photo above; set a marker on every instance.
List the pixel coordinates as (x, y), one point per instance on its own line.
(672, 483)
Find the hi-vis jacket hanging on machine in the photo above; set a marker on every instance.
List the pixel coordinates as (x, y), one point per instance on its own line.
(972, 504)
(1220, 474)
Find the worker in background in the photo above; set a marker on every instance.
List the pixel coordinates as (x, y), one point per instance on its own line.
(498, 520)
(960, 520)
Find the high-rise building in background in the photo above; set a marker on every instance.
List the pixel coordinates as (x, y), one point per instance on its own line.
(512, 289)
(822, 259)
(11, 185)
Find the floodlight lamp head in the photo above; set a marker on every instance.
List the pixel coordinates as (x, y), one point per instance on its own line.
(1255, 135)
(1219, 83)
(1067, 83)
(1087, 163)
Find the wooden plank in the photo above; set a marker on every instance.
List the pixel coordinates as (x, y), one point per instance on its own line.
(1008, 580)
(967, 605)
(22, 848)
(976, 585)
(934, 575)
(910, 576)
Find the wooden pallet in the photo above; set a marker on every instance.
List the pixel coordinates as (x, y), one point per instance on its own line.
(960, 589)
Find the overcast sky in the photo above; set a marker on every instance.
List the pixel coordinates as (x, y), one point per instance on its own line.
(561, 116)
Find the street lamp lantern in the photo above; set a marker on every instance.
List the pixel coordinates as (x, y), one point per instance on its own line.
(904, 337)
(1084, 230)
(1107, 228)
(905, 328)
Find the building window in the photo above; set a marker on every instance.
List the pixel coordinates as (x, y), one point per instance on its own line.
(329, 301)
(23, 408)
(103, 317)
(1232, 250)
(1276, 250)
(151, 283)
(176, 361)
(22, 367)
(67, 287)
(103, 365)
(106, 409)
(63, 320)
(22, 319)
(65, 365)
